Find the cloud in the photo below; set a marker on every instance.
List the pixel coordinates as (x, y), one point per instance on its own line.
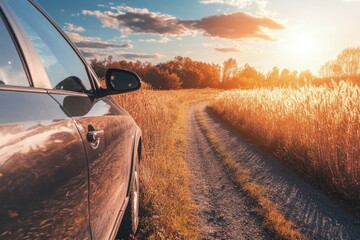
(260, 4)
(227, 49)
(223, 49)
(237, 25)
(138, 56)
(101, 45)
(237, 3)
(92, 53)
(73, 28)
(91, 42)
(212, 1)
(233, 3)
(94, 47)
(139, 20)
(152, 40)
(127, 45)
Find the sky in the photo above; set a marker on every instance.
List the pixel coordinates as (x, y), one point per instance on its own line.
(293, 34)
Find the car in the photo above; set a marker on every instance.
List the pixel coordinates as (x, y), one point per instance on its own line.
(69, 154)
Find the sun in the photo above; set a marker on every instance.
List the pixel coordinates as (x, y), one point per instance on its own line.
(303, 45)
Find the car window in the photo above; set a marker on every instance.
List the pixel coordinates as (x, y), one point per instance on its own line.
(11, 68)
(64, 68)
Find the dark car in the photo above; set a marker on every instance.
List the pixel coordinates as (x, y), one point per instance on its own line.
(69, 155)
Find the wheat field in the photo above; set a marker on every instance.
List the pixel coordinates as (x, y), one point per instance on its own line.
(314, 129)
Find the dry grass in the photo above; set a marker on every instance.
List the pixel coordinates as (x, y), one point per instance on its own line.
(274, 219)
(315, 129)
(167, 208)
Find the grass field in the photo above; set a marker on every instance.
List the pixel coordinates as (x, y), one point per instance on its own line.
(167, 209)
(314, 129)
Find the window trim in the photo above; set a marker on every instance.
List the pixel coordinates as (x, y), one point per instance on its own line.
(95, 85)
(35, 67)
(30, 89)
(18, 50)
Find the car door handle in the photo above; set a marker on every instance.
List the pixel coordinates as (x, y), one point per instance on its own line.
(93, 136)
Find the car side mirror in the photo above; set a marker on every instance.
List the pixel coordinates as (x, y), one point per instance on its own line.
(121, 81)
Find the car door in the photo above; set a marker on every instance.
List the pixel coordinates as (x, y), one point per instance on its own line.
(107, 131)
(109, 156)
(43, 169)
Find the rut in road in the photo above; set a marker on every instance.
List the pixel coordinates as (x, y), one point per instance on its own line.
(227, 212)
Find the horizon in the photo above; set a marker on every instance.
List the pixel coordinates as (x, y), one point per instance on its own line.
(269, 34)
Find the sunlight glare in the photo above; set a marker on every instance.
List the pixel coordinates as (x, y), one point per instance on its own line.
(303, 45)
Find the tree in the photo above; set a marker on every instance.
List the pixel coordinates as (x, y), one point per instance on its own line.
(192, 74)
(249, 77)
(211, 75)
(98, 67)
(349, 61)
(274, 75)
(306, 77)
(331, 69)
(230, 68)
(163, 80)
(284, 76)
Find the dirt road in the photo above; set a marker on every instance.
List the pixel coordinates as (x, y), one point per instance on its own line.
(226, 211)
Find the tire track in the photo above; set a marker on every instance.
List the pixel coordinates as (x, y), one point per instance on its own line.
(225, 210)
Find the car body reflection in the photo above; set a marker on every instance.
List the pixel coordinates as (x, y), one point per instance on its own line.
(41, 184)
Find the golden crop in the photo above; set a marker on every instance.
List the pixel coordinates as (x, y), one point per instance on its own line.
(315, 129)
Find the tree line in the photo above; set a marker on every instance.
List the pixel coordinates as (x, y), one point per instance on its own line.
(345, 67)
(184, 73)
(181, 72)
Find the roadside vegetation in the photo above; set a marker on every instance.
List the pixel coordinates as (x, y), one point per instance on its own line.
(314, 129)
(167, 211)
